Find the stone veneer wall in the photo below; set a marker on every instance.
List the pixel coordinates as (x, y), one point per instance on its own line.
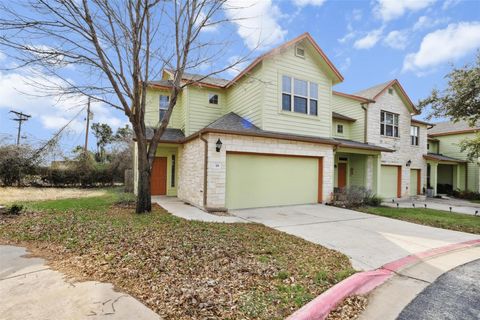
(190, 177)
(216, 183)
(404, 150)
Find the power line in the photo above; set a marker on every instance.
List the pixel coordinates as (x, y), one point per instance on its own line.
(20, 117)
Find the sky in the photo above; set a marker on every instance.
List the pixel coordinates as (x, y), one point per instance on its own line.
(369, 41)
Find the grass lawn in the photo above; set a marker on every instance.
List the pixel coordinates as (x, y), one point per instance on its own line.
(15, 194)
(181, 269)
(430, 217)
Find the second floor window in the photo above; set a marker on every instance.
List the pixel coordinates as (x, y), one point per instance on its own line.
(339, 128)
(213, 98)
(299, 96)
(414, 135)
(163, 106)
(389, 124)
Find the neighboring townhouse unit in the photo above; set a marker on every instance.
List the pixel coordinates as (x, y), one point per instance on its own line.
(278, 134)
(448, 167)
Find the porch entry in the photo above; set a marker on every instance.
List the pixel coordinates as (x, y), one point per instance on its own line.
(158, 180)
(391, 181)
(262, 180)
(415, 182)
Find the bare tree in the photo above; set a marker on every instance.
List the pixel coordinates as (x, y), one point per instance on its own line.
(118, 46)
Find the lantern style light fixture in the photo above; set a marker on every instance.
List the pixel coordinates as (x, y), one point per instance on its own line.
(219, 145)
(409, 162)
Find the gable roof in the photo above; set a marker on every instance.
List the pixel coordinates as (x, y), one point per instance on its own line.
(200, 79)
(352, 96)
(450, 127)
(374, 92)
(304, 36)
(423, 122)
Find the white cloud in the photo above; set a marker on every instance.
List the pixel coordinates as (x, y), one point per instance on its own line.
(346, 64)
(451, 43)
(449, 3)
(206, 27)
(369, 40)
(53, 113)
(391, 9)
(356, 15)
(425, 22)
(257, 22)
(396, 39)
(239, 65)
(303, 3)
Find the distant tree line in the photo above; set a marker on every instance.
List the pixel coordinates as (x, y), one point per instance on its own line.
(23, 166)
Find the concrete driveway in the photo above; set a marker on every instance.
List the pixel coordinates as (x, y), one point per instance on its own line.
(370, 241)
(30, 290)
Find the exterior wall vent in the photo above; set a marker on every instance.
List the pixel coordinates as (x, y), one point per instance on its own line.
(300, 52)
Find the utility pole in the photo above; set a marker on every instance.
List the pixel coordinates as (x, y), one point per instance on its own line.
(88, 125)
(19, 117)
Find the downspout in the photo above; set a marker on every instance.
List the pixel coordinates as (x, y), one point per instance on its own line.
(366, 123)
(205, 167)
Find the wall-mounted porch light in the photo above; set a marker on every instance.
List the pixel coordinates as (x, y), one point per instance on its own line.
(409, 162)
(219, 145)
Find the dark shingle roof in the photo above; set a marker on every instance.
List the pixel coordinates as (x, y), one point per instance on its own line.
(170, 135)
(164, 83)
(337, 115)
(449, 126)
(208, 80)
(233, 122)
(441, 157)
(360, 145)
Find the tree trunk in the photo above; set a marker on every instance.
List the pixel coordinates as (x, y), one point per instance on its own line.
(144, 198)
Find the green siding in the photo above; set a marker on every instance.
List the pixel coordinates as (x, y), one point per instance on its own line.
(388, 181)
(260, 181)
(356, 169)
(352, 109)
(346, 129)
(245, 97)
(450, 146)
(168, 152)
(152, 109)
(200, 112)
(286, 63)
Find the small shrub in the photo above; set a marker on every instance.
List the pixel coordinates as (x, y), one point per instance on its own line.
(282, 275)
(466, 194)
(373, 200)
(356, 196)
(14, 210)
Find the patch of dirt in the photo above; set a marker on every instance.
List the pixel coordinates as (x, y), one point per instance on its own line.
(13, 194)
(349, 309)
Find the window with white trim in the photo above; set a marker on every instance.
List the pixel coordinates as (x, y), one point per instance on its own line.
(389, 124)
(163, 106)
(299, 96)
(414, 132)
(213, 98)
(340, 128)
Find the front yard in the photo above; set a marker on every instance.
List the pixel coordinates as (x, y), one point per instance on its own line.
(430, 217)
(181, 269)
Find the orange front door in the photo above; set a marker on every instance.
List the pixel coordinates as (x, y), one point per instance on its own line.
(342, 175)
(158, 180)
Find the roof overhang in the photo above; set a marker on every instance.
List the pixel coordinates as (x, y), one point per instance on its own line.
(473, 130)
(353, 97)
(406, 98)
(443, 159)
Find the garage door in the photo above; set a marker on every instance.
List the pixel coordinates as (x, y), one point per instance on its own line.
(414, 182)
(389, 182)
(255, 180)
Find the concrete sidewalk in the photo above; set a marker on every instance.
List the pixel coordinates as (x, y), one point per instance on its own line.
(457, 205)
(30, 290)
(370, 241)
(387, 301)
(180, 209)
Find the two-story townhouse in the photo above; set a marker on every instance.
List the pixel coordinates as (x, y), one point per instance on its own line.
(448, 167)
(277, 134)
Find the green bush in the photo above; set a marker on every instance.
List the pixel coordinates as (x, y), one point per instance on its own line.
(357, 196)
(15, 163)
(14, 209)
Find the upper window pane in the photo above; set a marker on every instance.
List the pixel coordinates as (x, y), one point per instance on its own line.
(286, 84)
(313, 90)
(164, 102)
(300, 87)
(299, 104)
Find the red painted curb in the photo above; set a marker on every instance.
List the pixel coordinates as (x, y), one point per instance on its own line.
(364, 282)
